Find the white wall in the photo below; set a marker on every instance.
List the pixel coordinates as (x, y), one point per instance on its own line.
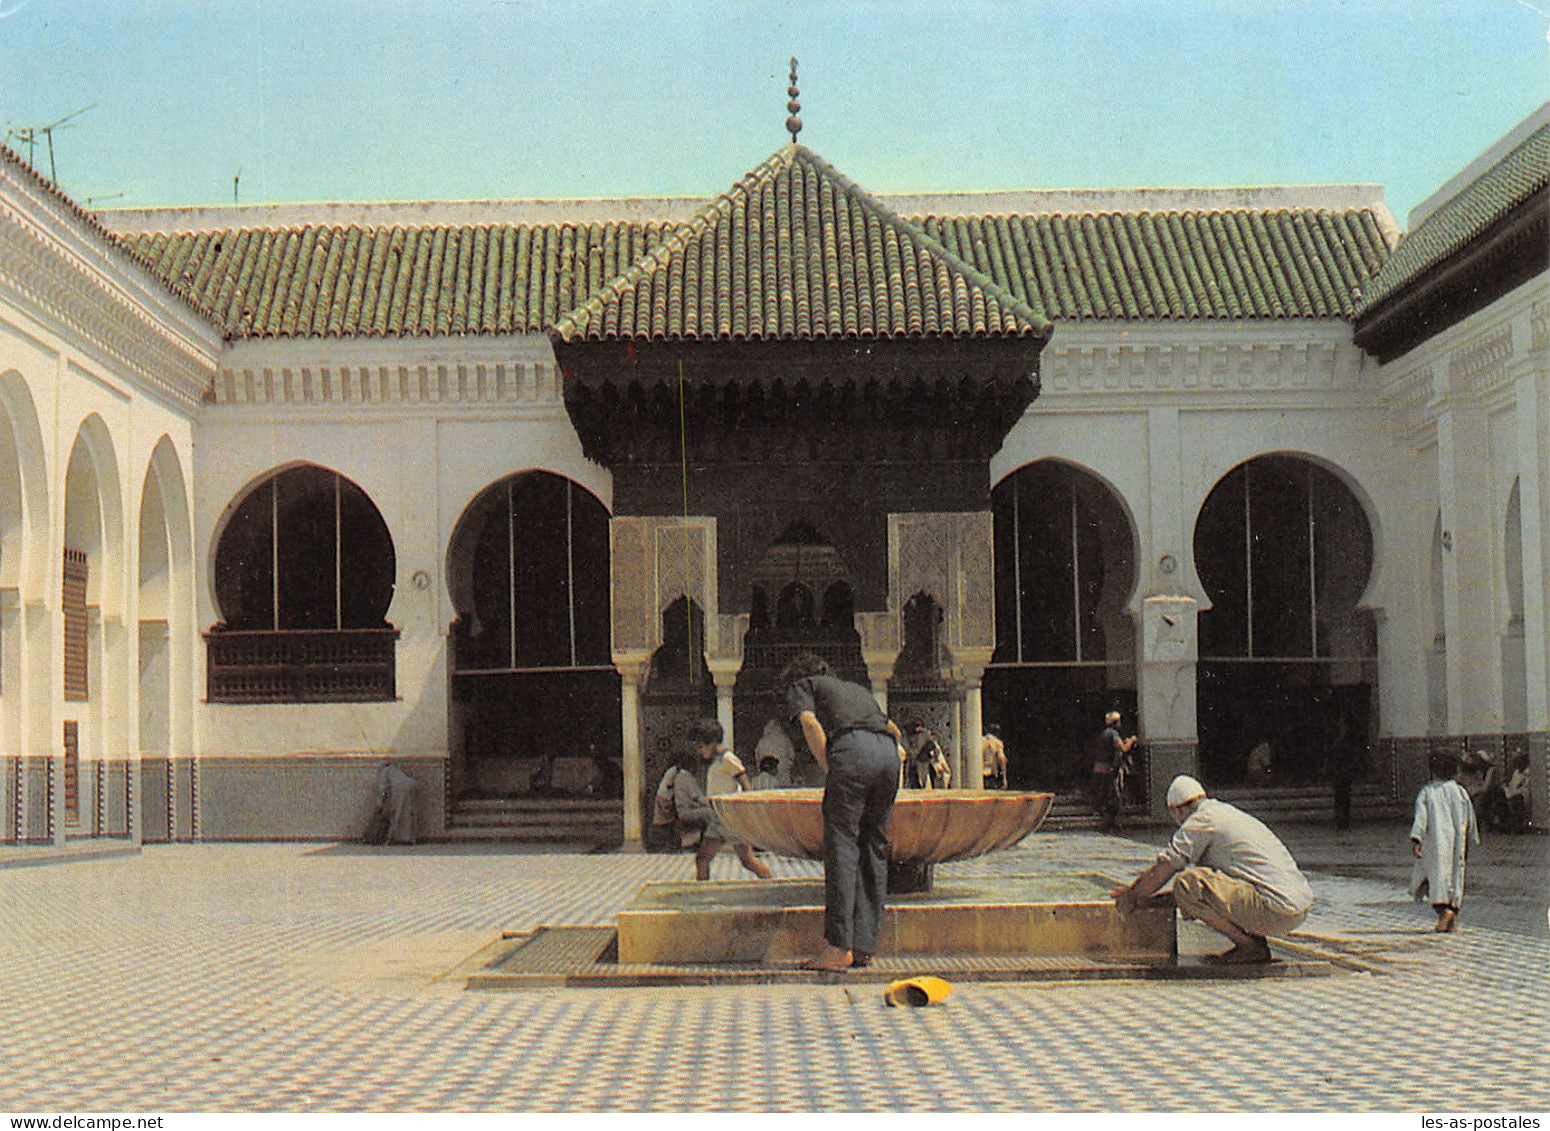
(421, 429)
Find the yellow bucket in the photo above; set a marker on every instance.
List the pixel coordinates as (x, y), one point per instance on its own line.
(918, 991)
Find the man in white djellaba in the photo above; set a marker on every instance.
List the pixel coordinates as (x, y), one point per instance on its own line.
(1440, 836)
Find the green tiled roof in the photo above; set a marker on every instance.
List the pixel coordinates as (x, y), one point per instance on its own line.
(797, 250)
(1304, 263)
(392, 280)
(793, 250)
(1465, 216)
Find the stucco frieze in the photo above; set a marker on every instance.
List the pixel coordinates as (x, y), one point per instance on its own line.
(1539, 325)
(447, 382)
(56, 286)
(1245, 367)
(1412, 399)
(1480, 362)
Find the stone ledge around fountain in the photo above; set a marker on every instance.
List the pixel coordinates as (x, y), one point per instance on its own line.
(781, 921)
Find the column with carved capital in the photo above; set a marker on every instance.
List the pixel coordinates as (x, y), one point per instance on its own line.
(724, 673)
(973, 728)
(878, 676)
(631, 672)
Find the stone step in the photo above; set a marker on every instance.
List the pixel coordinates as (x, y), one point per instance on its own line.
(570, 835)
(548, 820)
(536, 820)
(1295, 803)
(536, 804)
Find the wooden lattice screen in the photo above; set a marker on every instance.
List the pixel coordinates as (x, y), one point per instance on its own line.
(76, 688)
(72, 772)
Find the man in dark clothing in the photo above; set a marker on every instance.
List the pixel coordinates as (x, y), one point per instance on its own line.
(1109, 760)
(857, 746)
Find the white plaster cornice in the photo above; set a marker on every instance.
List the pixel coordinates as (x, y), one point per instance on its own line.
(59, 270)
(515, 372)
(1237, 362)
(1474, 365)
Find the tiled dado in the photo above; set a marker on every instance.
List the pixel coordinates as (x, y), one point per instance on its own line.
(295, 797)
(1538, 744)
(29, 784)
(1164, 760)
(1408, 758)
(169, 799)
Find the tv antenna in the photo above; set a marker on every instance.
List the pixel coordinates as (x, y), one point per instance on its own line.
(29, 135)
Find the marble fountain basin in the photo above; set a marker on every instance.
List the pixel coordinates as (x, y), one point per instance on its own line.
(929, 826)
(771, 922)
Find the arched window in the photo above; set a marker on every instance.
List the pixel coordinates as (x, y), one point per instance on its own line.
(304, 573)
(1288, 658)
(535, 698)
(1065, 646)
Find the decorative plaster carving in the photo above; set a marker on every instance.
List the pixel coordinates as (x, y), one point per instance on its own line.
(1473, 363)
(879, 634)
(450, 382)
(1412, 397)
(1539, 323)
(654, 559)
(976, 554)
(58, 286)
(684, 550)
(730, 630)
(951, 557)
(635, 626)
(1238, 367)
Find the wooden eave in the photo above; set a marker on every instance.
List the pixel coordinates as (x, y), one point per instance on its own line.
(628, 400)
(1513, 251)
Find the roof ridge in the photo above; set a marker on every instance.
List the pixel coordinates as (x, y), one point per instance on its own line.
(786, 157)
(1245, 210)
(678, 239)
(1475, 206)
(923, 239)
(111, 239)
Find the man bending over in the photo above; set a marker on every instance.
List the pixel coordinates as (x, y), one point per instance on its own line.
(1234, 875)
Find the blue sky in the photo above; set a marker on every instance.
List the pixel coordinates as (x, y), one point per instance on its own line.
(475, 99)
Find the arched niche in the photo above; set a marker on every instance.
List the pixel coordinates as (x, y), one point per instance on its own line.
(535, 698)
(1288, 668)
(1065, 569)
(304, 573)
(24, 492)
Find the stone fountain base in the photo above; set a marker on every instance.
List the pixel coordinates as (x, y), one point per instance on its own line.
(781, 921)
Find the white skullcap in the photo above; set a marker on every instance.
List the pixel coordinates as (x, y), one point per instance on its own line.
(1184, 790)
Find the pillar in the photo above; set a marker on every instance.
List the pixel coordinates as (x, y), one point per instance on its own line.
(1534, 513)
(1168, 649)
(973, 735)
(1468, 536)
(971, 666)
(1166, 692)
(878, 673)
(630, 677)
(725, 677)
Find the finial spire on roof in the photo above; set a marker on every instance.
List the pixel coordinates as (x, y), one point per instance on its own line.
(793, 123)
